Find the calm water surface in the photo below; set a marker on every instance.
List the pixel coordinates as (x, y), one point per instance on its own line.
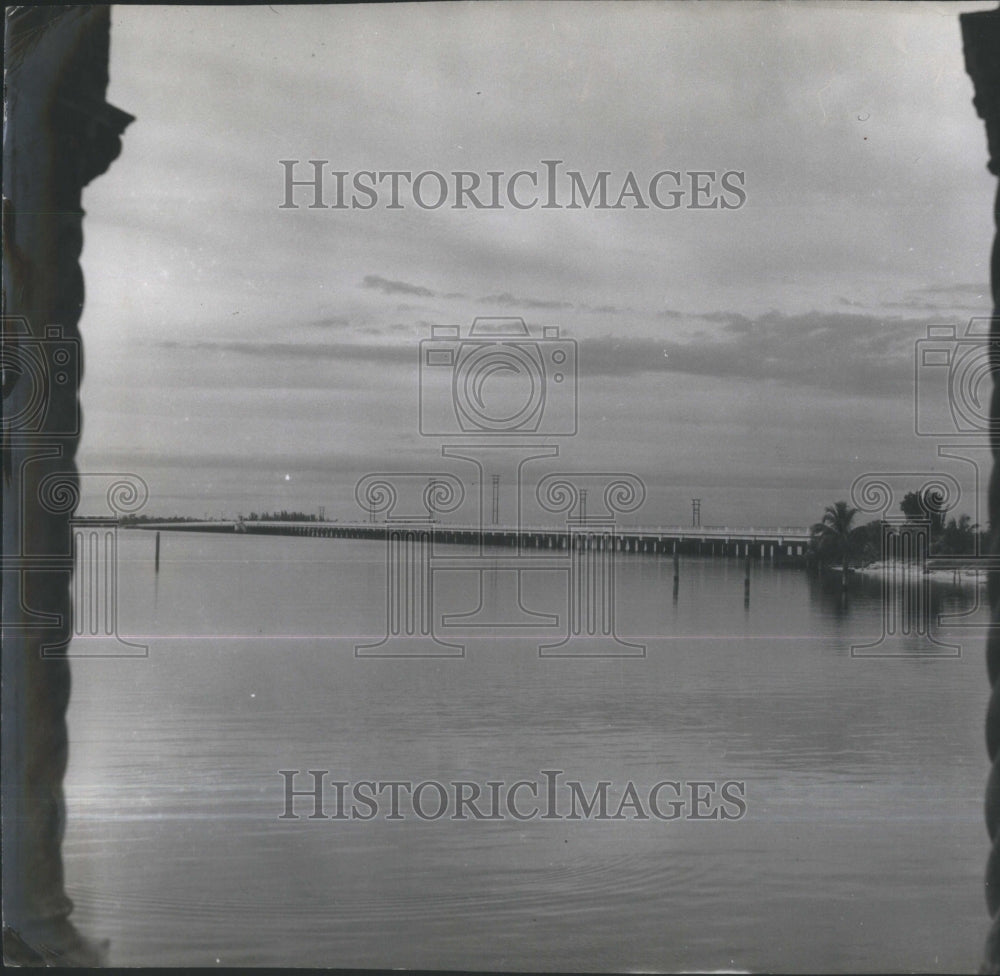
(863, 845)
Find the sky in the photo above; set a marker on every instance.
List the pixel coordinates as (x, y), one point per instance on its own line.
(242, 356)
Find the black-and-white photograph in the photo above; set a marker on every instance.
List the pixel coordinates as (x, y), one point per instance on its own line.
(501, 486)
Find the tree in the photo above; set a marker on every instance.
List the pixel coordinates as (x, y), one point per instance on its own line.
(833, 534)
(867, 543)
(925, 504)
(958, 537)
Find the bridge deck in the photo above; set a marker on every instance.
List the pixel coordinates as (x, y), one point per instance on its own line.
(779, 542)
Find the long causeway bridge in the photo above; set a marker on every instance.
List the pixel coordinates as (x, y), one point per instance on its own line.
(779, 544)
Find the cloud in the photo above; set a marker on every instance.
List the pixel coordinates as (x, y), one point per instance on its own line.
(966, 289)
(389, 287)
(915, 305)
(829, 351)
(943, 299)
(336, 351)
(331, 322)
(847, 353)
(508, 300)
(605, 309)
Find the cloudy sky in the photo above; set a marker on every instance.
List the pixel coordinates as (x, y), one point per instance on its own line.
(242, 356)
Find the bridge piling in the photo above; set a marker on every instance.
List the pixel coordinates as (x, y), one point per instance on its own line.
(778, 546)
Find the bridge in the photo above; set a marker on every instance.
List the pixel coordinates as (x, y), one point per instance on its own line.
(778, 544)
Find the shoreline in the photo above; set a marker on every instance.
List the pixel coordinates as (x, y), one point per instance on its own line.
(954, 577)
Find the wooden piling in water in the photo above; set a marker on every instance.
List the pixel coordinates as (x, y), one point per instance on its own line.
(746, 584)
(156, 568)
(677, 570)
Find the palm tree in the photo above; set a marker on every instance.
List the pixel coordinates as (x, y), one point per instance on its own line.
(834, 532)
(958, 537)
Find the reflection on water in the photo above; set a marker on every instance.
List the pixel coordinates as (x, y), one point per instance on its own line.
(862, 847)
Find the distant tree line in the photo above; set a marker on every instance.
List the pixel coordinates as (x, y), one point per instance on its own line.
(836, 539)
(282, 516)
(142, 519)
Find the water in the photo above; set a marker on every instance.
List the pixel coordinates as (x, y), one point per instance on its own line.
(862, 847)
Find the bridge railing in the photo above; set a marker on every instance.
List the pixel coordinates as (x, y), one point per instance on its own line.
(798, 533)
